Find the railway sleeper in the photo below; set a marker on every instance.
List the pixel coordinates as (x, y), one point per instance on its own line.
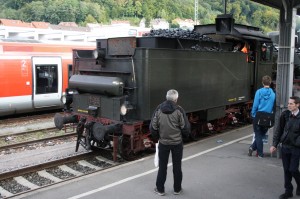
(34, 180)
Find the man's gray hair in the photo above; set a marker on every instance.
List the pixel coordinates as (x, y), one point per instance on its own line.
(172, 95)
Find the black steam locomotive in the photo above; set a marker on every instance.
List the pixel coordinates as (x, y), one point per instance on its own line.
(116, 88)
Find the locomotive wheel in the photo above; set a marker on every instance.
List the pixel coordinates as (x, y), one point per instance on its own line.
(220, 124)
(195, 134)
(125, 148)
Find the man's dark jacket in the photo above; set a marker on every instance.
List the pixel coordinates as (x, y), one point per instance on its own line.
(169, 123)
(288, 130)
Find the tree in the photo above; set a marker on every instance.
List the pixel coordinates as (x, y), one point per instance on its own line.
(96, 11)
(90, 19)
(269, 18)
(113, 8)
(34, 11)
(138, 9)
(58, 11)
(129, 9)
(162, 14)
(205, 14)
(236, 10)
(9, 13)
(15, 4)
(83, 11)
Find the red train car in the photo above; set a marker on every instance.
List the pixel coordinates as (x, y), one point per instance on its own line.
(34, 75)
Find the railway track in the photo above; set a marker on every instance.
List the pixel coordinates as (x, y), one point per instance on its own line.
(19, 180)
(26, 124)
(17, 140)
(28, 179)
(26, 118)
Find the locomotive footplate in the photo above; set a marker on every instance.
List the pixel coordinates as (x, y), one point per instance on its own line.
(125, 139)
(133, 140)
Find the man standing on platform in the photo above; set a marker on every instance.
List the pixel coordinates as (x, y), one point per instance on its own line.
(288, 135)
(263, 101)
(169, 123)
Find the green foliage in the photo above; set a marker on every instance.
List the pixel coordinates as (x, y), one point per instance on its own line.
(174, 24)
(90, 19)
(9, 13)
(15, 4)
(33, 11)
(102, 11)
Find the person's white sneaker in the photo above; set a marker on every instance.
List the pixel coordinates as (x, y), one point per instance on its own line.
(159, 193)
(177, 193)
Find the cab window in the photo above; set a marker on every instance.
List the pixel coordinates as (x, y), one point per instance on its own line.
(46, 78)
(265, 53)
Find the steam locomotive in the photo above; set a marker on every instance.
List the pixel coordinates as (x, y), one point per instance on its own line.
(116, 88)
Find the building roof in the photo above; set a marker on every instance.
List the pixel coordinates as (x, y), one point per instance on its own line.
(69, 28)
(16, 23)
(119, 22)
(72, 24)
(40, 24)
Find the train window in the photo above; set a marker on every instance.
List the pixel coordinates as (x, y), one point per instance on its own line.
(46, 78)
(266, 52)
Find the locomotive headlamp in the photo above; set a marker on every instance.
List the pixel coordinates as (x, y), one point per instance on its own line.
(95, 53)
(67, 99)
(99, 53)
(63, 99)
(125, 108)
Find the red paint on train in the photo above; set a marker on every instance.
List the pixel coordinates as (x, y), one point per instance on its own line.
(33, 76)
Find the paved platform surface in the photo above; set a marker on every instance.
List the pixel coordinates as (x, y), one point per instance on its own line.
(214, 168)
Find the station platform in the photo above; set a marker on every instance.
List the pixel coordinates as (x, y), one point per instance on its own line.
(214, 168)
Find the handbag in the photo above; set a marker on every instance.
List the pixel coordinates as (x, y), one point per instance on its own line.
(264, 119)
(156, 160)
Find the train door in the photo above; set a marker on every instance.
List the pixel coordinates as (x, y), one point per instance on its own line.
(47, 81)
(265, 62)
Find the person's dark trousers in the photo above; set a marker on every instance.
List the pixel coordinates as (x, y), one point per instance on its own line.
(290, 162)
(163, 154)
(259, 132)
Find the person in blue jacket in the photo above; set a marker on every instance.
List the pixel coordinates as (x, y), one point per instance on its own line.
(263, 101)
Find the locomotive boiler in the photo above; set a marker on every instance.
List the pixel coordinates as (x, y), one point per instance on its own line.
(115, 89)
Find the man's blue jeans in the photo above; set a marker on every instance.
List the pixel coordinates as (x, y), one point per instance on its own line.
(259, 132)
(163, 154)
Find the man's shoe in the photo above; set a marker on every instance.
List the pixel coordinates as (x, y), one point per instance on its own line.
(177, 192)
(298, 191)
(250, 151)
(285, 196)
(158, 192)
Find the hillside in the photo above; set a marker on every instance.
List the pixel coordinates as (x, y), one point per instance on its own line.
(102, 11)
